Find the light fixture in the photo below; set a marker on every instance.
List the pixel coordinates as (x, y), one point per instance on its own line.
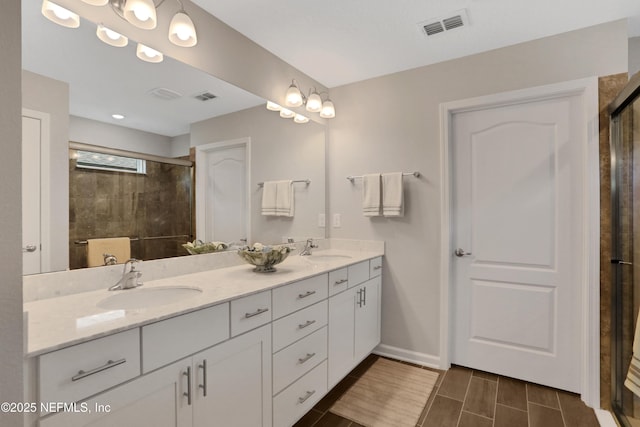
(141, 13)
(182, 32)
(313, 103)
(96, 2)
(328, 110)
(299, 118)
(286, 114)
(148, 54)
(111, 37)
(272, 106)
(60, 15)
(117, 116)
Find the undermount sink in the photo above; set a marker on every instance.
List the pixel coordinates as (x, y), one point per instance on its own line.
(149, 297)
(326, 258)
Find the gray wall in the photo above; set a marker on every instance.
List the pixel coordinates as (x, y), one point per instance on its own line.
(280, 149)
(51, 96)
(392, 123)
(634, 55)
(11, 338)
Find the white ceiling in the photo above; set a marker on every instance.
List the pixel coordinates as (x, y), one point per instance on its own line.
(342, 41)
(104, 80)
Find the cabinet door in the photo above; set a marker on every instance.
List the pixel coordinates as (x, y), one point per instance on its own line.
(367, 318)
(154, 400)
(341, 334)
(233, 382)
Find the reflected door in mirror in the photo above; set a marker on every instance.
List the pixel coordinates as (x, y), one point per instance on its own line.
(31, 206)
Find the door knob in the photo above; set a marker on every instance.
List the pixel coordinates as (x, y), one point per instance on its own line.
(29, 248)
(461, 252)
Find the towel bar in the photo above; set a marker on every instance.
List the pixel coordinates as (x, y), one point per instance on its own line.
(354, 177)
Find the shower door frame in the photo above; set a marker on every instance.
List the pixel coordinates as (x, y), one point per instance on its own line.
(627, 96)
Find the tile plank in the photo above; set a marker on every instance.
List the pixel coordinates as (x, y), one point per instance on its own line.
(443, 413)
(481, 397)
(513, 393)
(455, 383)
(576, 413)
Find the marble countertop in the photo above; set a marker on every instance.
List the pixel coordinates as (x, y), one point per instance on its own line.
(59, 322)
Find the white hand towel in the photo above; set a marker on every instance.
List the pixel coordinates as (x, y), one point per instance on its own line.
(632, 382)
(284, 198)
(371, 194)
(392, 194)
(269, 193)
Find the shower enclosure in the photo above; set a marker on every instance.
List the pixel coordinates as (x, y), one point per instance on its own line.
(625, 252)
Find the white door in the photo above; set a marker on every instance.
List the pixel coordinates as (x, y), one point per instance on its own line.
(31, 169)
(517, 201)
(224, 214)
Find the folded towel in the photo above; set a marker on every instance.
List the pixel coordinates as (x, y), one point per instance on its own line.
(269, 192)
(284, 198)
(632, 382)
(120, 247)
(392, 194)
(371, 194)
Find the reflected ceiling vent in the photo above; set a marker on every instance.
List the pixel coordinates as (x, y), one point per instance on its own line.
(453, 20)
(205, 96)
(164, 93)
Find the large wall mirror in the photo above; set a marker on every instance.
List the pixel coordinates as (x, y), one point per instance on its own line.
(72, 85)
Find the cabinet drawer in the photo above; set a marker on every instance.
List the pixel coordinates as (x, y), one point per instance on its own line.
(298, 325)
(338, 280)
(297, 359)
(300, 397)
(375, 267)
(76, 372)
(297, 295)
(358, 273)
(166, 341)
(250, 312)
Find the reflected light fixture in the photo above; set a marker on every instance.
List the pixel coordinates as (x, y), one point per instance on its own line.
(286, 114)
(141, 13)
(96, 2)
(182, 32)
(60, 15)
(148, 54)
(111, 37)
(272, 106)
(313, 103)
(299, 118)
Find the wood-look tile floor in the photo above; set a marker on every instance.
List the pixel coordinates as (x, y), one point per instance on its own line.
(464, 397)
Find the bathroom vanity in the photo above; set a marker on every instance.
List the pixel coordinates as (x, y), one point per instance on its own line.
(247, 350)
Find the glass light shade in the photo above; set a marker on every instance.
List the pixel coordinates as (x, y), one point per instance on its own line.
(182, 32)
(60, 15)
(272, 106)
(96, 2)
(299, 118)
(286, 114)
(328, 110)
(141, 13)
(147, 54)
(314, 102)
(110, 37)
(293, 98)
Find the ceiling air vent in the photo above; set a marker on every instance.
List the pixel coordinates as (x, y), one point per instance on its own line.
(453, 20)
(164, 93)
(205, 96)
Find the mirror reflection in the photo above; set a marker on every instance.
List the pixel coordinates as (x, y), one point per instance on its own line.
(83, 90)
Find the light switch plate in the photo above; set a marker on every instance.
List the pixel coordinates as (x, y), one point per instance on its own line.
(321, 220)
(337, 220)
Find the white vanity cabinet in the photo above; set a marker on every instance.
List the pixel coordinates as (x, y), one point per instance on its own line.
(354, 322)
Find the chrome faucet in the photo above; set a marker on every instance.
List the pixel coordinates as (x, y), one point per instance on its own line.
(130, 279)
(307, 248)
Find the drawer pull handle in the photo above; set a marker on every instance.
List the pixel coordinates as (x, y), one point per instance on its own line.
(377, 267)
(307, 294)
(307, 323)
(306, 396)
(188, 392)
(255, 313)
(340, 282)
(110, 364)
(306, 358)
(203, 386)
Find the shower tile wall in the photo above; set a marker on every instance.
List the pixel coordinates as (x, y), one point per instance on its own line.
(119, 204)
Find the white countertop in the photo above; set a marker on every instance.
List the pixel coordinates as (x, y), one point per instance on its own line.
(59, 322)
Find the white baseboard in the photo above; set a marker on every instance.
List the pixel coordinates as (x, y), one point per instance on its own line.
(605, 418)
(422, 359)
